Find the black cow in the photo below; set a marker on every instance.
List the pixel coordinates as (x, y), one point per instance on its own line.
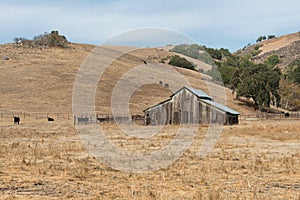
(287, 115)
(145, 62)
(50, 119)
(102, 119)
(16, 120)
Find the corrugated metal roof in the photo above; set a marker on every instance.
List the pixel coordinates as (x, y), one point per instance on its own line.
(220, 106)
(199, 93)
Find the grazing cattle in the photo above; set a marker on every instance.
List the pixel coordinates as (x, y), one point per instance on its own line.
(145, 62)
(16, 120)
(287, 115)
(102, 119)
(50, 119)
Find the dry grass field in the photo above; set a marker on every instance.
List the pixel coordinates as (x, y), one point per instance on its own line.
(253, 160)
(47, 160)
(277, 43)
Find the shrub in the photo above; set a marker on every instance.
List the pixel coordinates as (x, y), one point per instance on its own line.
(255, 52)
(272, 60)
(293, 72)
(257, 47)
(261, 38)
(181, 62)
(52, 39)
(215, 74)
(271, 36)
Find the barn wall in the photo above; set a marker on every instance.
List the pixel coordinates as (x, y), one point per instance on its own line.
(189, 109)
(217, 116)
(159, 115)
(186, 108)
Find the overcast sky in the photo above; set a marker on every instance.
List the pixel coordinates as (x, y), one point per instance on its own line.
(226, 23)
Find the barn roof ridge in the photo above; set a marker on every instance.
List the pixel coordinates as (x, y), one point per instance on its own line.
(160, 103)
(199, 93)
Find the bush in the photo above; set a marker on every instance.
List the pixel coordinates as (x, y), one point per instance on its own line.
(272, 60)
(261, 38)
(214, 53)
(181, 62)
(255, 52)
(271, 36)
(194, 51)
(293, 72)
(257, 47)
(52, 39)
(215, 74)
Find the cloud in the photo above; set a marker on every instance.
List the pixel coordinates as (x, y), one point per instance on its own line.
(149, 37)
(229, 23)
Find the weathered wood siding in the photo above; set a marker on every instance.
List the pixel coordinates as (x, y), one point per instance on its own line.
(159, 115)
(185, 107)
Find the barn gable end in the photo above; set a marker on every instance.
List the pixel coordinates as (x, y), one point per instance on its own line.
(190, 106)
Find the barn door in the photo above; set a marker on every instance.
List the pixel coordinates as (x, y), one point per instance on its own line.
(185, 117)
(177, 117)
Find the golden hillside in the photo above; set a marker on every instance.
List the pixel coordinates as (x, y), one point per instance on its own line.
(279, 42)
(41, 79)
(286, 47)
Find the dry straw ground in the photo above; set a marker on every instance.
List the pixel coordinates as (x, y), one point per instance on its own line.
(254, 160)
(46, 160)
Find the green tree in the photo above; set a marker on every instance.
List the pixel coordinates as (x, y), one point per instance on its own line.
(214, 53)
(261, 83)
(227, 73)
(215, 74)
(297, 74)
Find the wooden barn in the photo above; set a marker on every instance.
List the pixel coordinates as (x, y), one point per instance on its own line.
(190, 106)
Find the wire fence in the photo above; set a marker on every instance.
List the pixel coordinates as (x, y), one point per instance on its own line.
(101, 118)
(272, 116)
(8, 116)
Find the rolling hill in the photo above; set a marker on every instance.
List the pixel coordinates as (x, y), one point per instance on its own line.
(287, 47)
(41, 79)
(49, 160)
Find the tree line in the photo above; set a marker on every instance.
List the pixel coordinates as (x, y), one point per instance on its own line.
(261, 82)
